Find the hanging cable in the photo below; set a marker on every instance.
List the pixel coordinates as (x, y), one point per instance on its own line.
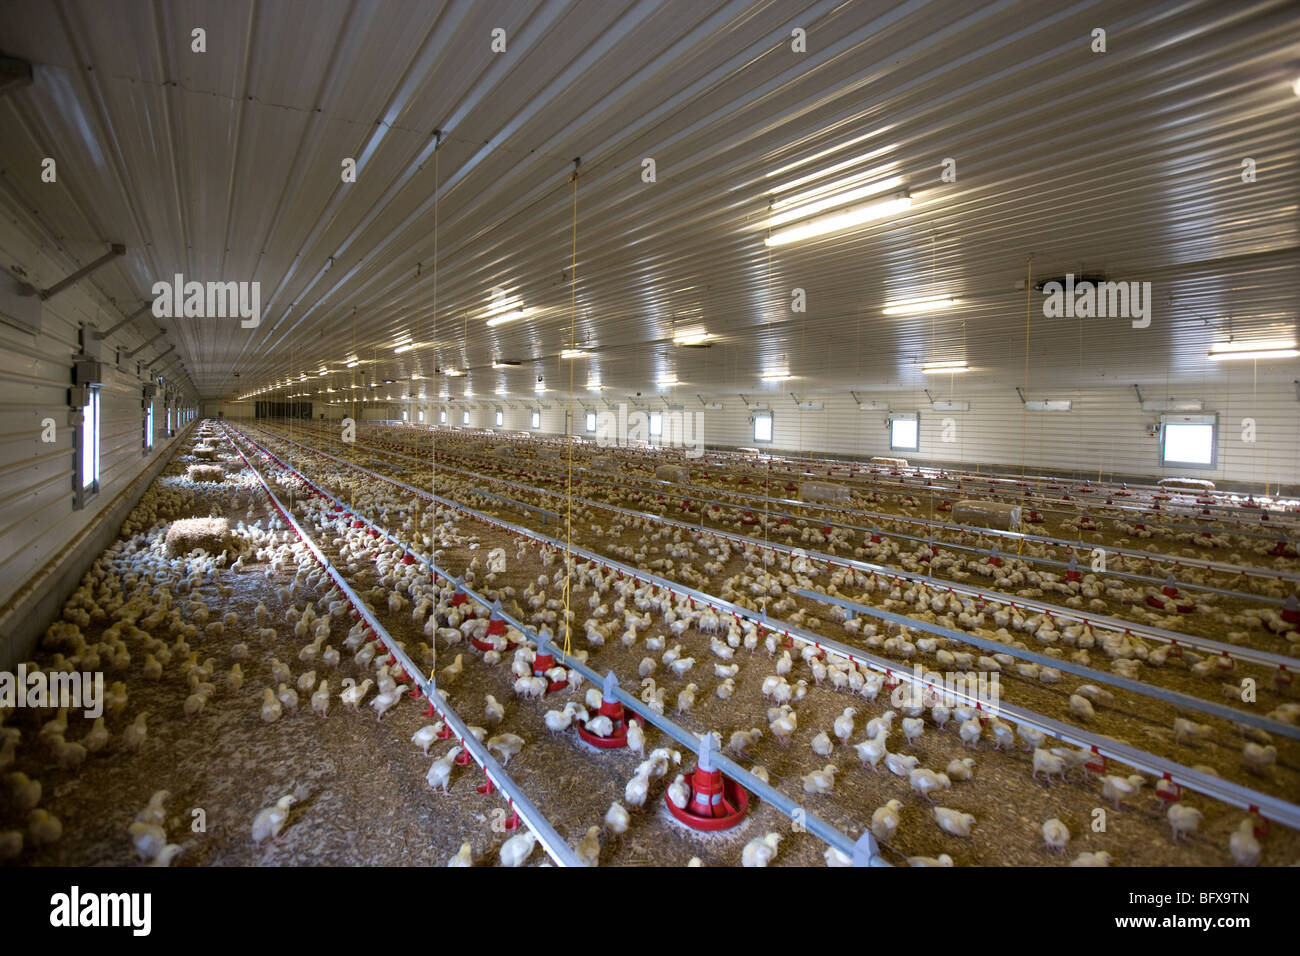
(573, 324)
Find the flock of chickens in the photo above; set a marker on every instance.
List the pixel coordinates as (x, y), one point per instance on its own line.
(141, 616)
(619, 610)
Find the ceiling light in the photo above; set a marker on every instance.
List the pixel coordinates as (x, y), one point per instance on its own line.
(777, 376)
(353, 364)
(840, 220)
(1271, 351)
(500, 302)
(668, 381)
(931, 367)
(930, 303)
(808, 204)
(574, 354)
(404, 348)
(505, 317)
(691, 338)
(322, 372)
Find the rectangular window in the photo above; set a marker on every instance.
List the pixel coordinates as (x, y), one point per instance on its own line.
(404, 414)
(762, 426)
(536, 420)
(148, 425)
(419, 415)
(656, 424)
(88, 448)
(591, 421)
(500, 418)
(464, 417)
(1187, 440)
(904, 433)
(442, 416)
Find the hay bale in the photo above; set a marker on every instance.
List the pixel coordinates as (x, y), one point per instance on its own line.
(892, 462)
(1187, 484)
(208, 534)
(824, 492)
(206, 473)
(987, 514)
(205, 452)
(676, 475)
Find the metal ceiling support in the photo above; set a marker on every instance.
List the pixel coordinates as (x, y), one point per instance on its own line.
(1021, 393)
(14, 74)
(928, 396)
(147, 343)
(117, 249)
(130, 318)
(1138, 389)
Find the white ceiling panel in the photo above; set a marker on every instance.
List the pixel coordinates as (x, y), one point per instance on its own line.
(225, 166)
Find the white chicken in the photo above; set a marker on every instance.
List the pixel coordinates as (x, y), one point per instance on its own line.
(762, 851)
(1056, 835)
(953, 821)
(269, 821)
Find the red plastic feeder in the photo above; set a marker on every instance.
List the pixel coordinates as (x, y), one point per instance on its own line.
(717, 802)
(1291, 610)
(496, 627)
(459, 598)
(611, 708)
(748, 518)
(543, 661)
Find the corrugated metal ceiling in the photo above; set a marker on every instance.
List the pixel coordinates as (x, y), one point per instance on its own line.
(226, 165)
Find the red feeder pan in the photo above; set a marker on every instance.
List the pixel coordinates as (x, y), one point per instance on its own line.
(542, 663)
(717, 802)
(614, 711)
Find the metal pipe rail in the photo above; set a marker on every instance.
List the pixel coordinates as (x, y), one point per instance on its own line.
(552, 843)
(814, 824)
(1230, 793)
(1226, 592)
(1185, 701)
(665, 488)
(1262, 658)
(932, 473)
(1236, 518)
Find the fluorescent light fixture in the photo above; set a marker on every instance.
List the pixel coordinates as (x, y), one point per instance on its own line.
(404, 348)
(668, 381)
(939, 367)
(930, 303)
(1253, 350)
(840, 220)
(502, 303)
(511, 316)
(777, 376)
(693, 337)
(808, 204)
(594, 386)
(353, 364)
(322, 372)
(452, 372)
(574, 354)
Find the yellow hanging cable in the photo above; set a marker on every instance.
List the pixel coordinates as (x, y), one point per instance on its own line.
(433, 427)
(568, 512)
(1024, 415)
